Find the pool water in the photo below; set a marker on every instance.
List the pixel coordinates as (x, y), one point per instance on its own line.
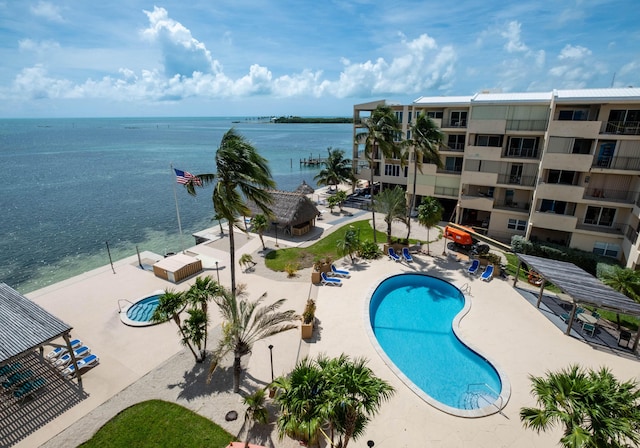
(140, 312)
(411, 316)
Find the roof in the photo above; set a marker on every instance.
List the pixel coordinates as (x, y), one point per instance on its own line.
(289, 208)
(608, 95)
(305, 188)
(514, 97)
(581, 286)
(24, 325)
(176, 262)
(443, 100)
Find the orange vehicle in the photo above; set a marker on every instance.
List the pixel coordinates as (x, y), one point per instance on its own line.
(463, 240)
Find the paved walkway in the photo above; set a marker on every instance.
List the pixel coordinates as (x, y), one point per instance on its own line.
(144, 363)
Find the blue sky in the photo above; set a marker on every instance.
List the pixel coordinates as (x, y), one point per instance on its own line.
(74, 58)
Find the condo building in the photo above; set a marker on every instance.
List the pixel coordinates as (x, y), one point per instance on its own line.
(560, 166)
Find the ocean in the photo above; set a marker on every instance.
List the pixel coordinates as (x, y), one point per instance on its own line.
(71, 186)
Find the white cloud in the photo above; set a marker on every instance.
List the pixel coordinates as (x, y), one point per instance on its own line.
(575, 68)
(38, 47)
(574, 53)
(47, 11)
(512, 34)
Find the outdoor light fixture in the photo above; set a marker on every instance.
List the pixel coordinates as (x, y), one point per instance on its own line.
(217, 272)
(271, 356)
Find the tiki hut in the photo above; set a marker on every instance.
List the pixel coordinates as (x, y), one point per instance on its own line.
(305, 188)
(293, 212)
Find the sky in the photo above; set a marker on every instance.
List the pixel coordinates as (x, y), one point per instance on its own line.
(78, 58)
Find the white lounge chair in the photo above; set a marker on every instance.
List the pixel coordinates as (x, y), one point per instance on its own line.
(58, 351)
(393, 255)
(329, 280)
(488, 273)
(473, 269)
(406, 255)
(89, 361)
(65, 359)
(339, 272)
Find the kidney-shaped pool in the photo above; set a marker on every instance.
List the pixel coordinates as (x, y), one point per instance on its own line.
(413, 318)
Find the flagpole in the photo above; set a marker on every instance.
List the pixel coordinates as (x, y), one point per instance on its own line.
(175, 196)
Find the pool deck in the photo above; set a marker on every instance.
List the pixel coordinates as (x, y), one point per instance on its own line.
(143, 363)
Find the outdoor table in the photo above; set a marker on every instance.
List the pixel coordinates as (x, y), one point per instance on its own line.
(588, 318)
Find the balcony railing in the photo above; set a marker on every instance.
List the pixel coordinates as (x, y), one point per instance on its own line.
(510, 205)
(453, 147)
(446, 191)
(448, 171)
(615, 228)
(621, 127)
(631, 234)
(524, 153)
(607, 194)
(525, 181)
(527, 125)
(454, 124)
(617, 163)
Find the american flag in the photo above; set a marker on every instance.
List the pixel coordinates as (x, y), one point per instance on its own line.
(183, 177)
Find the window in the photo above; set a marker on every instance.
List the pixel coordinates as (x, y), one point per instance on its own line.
(489, 140)
(523, 147)
(600, 216)
(515, 176)
(399, 116)
(517, 224)
(574, 115)
(409, 134)
(392, 170)
(456, 142)
(559, 207)
(434, 114)
(562, 177)
(453, 164)
(605, 153)
(458, 119)
(606, 249)
(582, 146)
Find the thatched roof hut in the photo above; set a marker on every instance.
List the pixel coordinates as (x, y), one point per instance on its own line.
(305, 188)
(294, 212)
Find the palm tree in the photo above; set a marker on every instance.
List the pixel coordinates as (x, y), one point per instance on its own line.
(429, 214)
(242, 175)
(426, 139)
(219, 218)
(245, 323)
(260, 224)
(246, 261)
(336, 169)
(625, 281)
(349, 244)
(382, 128)
(256, 410)
(194, 330)
(594, 408)
(198, 295)
(170, 305)
(392, 203)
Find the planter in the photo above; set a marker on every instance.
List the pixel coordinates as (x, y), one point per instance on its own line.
(315, 277)
(306, 330)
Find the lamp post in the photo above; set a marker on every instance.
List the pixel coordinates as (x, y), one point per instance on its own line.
(370, 443)
(271, 357)
(217, 272)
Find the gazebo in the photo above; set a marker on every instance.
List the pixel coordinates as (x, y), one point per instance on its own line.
(580, 286)
(293, 212)
(304, 188)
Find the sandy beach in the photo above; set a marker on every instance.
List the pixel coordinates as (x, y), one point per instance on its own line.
(137, 364)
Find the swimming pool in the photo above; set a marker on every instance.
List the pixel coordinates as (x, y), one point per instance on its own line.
(413, 319)
(138, 314)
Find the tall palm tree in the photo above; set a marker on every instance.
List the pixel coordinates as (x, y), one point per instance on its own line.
(382, 128)
(393, 204)
(260, 224)
(426, 139)
(194, 329)
(245, 323)
(336, 169)
(170, 305)
(242, 174)
(625, 281)
(198, 296)
(429, 214)
(594, 408)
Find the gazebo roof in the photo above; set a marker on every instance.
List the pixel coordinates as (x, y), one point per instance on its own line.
(288, 208)
(24, 325)
(581, 286)
(304, 188)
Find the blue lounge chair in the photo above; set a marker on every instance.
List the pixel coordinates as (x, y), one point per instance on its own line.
(588, 328)
(329, 280)
(58, 351)
(29, 387)
(406, 255)
(565, 317)
(393, 255)
(65, 359)
(339, 272)
(17, 379)
(8, 369)
(89, 361)
(488, 273)
(473, 269)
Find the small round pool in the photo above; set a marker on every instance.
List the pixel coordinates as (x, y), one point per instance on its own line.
(413, 320)
(138, 314)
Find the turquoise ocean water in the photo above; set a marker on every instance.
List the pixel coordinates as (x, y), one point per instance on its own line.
(71, 185)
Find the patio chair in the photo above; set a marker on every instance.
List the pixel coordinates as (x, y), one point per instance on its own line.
(329, 280)
(339, 272)
(473, 269)
(58, 351)
(625, 337)
(8, 369)
(588, 328)
(65, 359)
(29, 387)
(488, 273)
(406, 255)
(565, 317)
(89, 361)
(393, 255)
(17, 379)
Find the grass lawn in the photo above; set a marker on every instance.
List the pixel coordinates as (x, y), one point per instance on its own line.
(159, 423)
(326, 247)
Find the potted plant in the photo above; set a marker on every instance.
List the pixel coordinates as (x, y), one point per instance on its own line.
(308, 317)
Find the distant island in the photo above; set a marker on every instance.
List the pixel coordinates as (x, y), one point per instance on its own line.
(292, 119)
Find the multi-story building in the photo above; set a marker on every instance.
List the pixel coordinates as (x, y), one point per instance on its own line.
(561, 166)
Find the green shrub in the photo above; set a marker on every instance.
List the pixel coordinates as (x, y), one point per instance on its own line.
(369, 250)
(494, 259)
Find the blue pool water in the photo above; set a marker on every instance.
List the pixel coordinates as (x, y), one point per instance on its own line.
(411, 316)
(142, 310)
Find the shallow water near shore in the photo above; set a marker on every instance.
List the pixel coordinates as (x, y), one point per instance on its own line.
(75, 184)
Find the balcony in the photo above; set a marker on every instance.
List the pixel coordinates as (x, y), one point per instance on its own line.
(522, 207)
(621, 127)
(561, 192)
(569, 128)
(526, 125)
(610, 195)
(477, 202)
(553, 221)
(617, 163)
(456, 124)
(521, 153)
(480, 177)
(569, 162)
(616, 228)
(446, 191)
(452, 147)
(524, 181)
(483, 152)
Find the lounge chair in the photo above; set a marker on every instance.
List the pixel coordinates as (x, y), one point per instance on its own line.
(406, 255)
(488, 273)
(339, 272)
(65, 359)
(625, 337)
(8, 369)
(565, 317)
(58, 351)
(473, 269)
(29, 387)
(17, 378)
(393, 255)
(329, 280)
(89, 361)
(588, 328)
